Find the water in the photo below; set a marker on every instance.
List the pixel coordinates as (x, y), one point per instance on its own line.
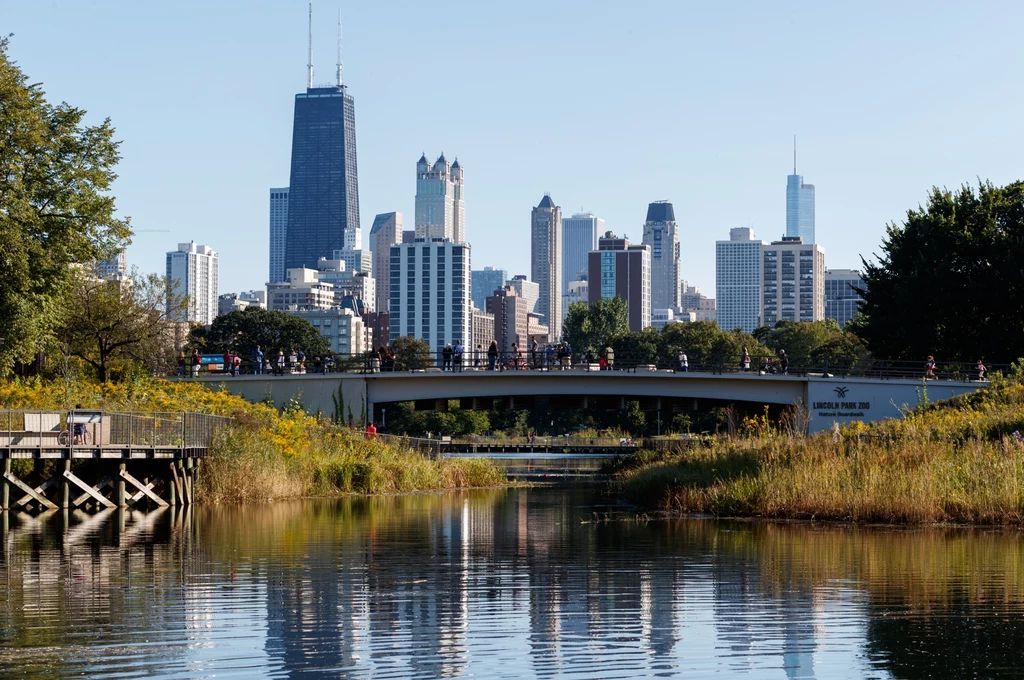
(500, 584)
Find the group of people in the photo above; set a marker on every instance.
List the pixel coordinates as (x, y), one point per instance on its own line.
(930, 365)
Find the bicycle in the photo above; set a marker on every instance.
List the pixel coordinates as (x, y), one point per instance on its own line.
(65, 438)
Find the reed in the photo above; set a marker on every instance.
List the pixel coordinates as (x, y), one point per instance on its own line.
(267, 454)
(956, 461)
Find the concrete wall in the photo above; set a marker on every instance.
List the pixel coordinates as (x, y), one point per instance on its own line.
(827, 400)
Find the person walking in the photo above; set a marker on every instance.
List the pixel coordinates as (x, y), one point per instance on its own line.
(533, 353)
(981, 371)
(446, 357)
(257, 361)
(236, 364)
(783, 362)
(280, 362)
(745, 361)
(457, 356)
(492, 355)
(181, 364)
(684, 362)
(197, 361)
(476, 356)
(929, 368)
(609, 357)
(228, 361)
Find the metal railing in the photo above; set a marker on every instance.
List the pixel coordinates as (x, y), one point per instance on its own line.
(428, 447)
(48, 429)
(639, 362)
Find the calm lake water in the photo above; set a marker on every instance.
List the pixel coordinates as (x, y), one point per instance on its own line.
(500, 584)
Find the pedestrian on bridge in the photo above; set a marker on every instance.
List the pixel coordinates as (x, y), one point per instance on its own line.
(257, 361)
(609, 357)
(684, 362)
(981, 371)
(492, 355)
(457, 356)
(446, 357)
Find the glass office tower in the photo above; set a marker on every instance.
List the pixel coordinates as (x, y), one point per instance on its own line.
(323, 199)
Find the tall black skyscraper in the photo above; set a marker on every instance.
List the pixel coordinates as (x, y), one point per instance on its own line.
(323, 201)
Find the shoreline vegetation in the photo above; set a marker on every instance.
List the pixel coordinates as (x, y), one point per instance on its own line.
(266, 455)
(956, 461)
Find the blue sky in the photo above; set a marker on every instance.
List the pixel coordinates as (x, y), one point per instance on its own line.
(606, 105)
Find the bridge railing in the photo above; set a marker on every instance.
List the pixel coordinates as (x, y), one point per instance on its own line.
(473, 361)
(428, 447)
(83, 428)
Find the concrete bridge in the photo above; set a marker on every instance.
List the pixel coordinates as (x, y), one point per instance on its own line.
(826, 399)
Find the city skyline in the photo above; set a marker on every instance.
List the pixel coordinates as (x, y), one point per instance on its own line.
(222, 156)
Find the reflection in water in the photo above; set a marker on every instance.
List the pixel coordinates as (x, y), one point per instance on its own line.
(506, 583)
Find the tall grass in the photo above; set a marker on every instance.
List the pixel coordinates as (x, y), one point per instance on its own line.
(265, 454)
(955, 461)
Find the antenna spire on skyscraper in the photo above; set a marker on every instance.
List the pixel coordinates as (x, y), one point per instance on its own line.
(794, 154)
(309, 65)
(339, 47)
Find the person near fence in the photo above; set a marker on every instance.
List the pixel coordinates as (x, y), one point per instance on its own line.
(609, 358)
(745, 361)
(684, 362)
(371, 430)
(783, 362)
(476, 356)
(981, 371)
(236, 364)
(78, 430)
(457, 356)
(929, 368)
(280, 362)
(257, 361)
(181, 364)
(197, 361)
(492, 355)
(446, 357)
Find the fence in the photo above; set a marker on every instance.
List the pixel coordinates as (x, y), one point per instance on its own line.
(107, 429)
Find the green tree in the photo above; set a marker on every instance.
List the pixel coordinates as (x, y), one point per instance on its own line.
(949, 281)
(811, 339)
(55, 210)
(241, 331)
(411, 353)
(641, 347)
(633, 420)
(592, 326)
(113, 323)
(681, 423)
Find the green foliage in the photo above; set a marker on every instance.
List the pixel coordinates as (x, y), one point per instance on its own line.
(633, 420)
(54, 207)
(949, 281)
(681, 423)
(592, 326)
(814, 339)
(242, 331)
(411, 353)
(118, 324)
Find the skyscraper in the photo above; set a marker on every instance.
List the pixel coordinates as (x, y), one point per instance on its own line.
(738, 280)
(192, 271)
(662, 234)
(799, 205)
(579, 237)
(842, 302)
(440, 201)
(793, 281)
(546, 262)
(323, 197)
(278, 233)
(386, 232)
(430, 298)
(485, 281)
(618, 269)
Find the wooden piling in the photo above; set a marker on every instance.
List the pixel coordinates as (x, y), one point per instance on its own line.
(119, 481)
(5, 488)
(65, 487)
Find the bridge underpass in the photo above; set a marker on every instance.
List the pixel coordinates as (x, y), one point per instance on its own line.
(826, 400)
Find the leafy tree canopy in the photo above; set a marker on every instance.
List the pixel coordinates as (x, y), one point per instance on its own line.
(411, 353)
(593, 326)
(241, 331)
(55, 211)
(949, 281)
(815, 339)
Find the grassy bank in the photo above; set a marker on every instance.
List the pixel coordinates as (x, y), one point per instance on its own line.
(954, 461)
(266, 454)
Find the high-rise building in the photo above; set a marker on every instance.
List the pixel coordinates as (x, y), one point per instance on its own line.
(799, 205)
(511, 319)
(278, 233)
(113, 268)
(483, 332)
(841, 299)
(661, 233)
(342, 327)
(355, 260)
(738, 280)
(440, 201)
(485, 282)
(192, 271)
(579, 237)
(386, 232)
(578, 292)
(323, 195)
(528, 290)
(430, 298)
(546, 262)
(698, 304)
(618, 269)
(793, 287)
(302, 291)
(348, 281)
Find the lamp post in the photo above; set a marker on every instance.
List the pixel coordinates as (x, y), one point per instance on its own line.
(383, 418)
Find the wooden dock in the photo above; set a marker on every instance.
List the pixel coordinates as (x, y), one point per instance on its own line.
(95, 460)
